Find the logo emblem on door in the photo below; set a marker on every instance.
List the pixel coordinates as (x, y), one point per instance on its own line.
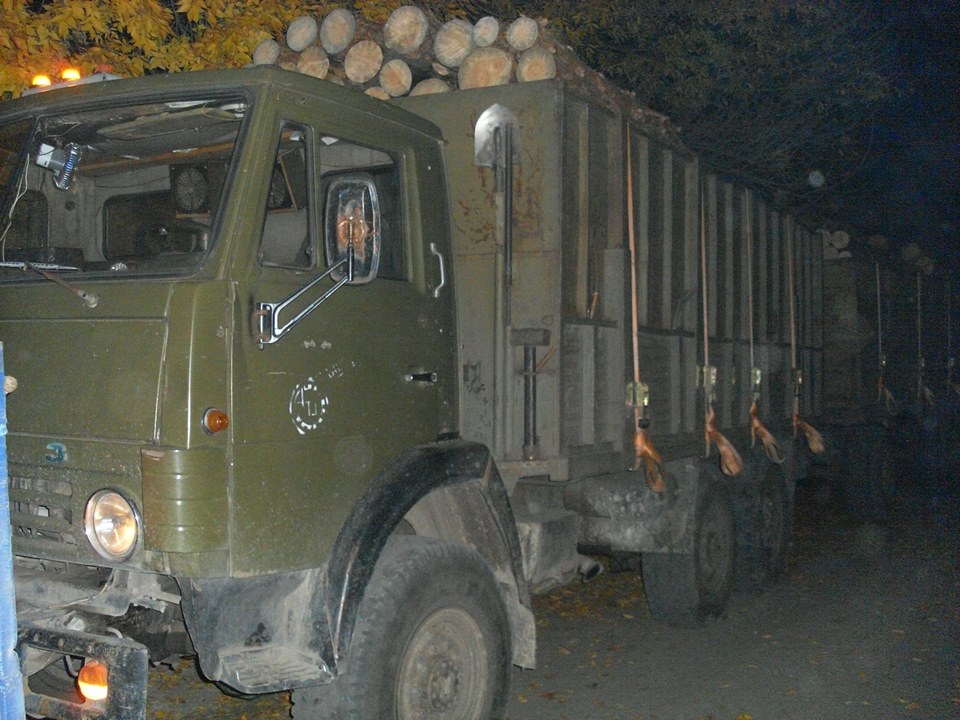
(307, 406)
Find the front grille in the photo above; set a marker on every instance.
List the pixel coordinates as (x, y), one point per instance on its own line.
(41, 514)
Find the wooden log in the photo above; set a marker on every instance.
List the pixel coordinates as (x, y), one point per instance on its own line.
(453, 42)
(840, 239)
(314, 61)
(377, 92)
(363, 61)
(266, 53)
(430, 86)
(537, 63)
(486, 31)
(910, 252)
(337, 31)
(301, 33)
(405, 29)
(522, 33)
(396, 78)
(485, 67)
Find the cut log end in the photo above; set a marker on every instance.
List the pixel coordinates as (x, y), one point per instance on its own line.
(430, 86)
(266, 53)
(301, 33)
(314, 61)
(485, 67)
(396, 78)
(453, 43)
(337, 31)
(522, 33)
(377, 92)
(486, 31)
(536, 64)
(405, 29)
(363, 61)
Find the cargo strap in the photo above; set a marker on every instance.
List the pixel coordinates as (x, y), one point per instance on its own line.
(759, 431)
(757, 428)
(884, 396)
(638, 393)
(814, 438)
(924, 394)
(730, 462)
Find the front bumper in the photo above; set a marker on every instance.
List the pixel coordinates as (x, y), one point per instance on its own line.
(127, 675)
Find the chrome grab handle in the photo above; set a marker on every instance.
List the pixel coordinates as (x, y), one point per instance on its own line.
(443, 270)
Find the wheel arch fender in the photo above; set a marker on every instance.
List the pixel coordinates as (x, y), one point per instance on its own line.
(450, 490)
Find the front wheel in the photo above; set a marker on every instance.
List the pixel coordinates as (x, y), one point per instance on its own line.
(432, 641)
(684, 589)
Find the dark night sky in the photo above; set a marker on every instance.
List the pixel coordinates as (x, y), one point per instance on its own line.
(911, 192)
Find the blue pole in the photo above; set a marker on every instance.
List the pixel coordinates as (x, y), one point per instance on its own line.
(11, 682)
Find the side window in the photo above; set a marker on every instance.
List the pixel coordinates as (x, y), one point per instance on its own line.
(362, 200)
(28, 228)
(286, 240)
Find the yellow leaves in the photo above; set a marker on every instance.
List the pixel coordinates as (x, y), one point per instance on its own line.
(193, 9)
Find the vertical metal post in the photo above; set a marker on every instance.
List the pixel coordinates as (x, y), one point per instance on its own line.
(11, 682)
(530, 439)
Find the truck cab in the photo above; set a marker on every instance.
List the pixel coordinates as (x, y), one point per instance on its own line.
(226, 298)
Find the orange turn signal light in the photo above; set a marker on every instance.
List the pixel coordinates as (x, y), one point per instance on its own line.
(215, 421)
(92, 680)
(70, 74)
(41, 81)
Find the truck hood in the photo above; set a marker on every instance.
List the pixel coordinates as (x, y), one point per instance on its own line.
(81, 372)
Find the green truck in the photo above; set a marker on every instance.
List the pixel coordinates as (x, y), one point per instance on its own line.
(319, 389)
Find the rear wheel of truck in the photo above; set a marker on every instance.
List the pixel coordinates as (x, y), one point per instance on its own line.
(684, 589)
(432, 641)
(764, 530)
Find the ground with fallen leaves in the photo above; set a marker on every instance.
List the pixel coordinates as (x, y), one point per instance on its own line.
(866, 626)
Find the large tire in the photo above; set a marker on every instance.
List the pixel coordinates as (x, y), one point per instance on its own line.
(432, 641)
(684, 590)
(763, 526)
(868, 474)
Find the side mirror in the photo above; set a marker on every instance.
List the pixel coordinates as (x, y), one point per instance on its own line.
(352, 227)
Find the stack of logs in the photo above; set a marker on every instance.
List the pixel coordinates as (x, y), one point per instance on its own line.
(414, 54)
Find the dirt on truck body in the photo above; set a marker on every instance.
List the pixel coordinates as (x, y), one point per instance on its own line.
(319, 389)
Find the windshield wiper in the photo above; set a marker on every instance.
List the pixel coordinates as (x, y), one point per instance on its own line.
(91, 300)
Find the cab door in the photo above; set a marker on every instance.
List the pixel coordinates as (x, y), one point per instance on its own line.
(347, 356)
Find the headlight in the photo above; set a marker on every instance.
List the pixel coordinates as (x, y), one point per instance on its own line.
(110, 523)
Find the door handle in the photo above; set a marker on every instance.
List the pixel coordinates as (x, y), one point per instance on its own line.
(443, 270)
(422, 377)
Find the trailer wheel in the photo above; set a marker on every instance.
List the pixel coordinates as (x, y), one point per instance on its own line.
(432, 640)
(684, 589)
(764, 529)
(867, 475)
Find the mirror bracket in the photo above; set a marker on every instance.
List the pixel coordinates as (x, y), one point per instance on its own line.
(266, 318)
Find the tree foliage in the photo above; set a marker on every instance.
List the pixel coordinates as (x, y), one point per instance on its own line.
(765, 90)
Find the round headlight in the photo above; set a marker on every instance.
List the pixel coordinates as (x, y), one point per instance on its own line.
(111, 525)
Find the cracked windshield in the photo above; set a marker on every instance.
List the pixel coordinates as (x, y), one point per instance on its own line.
(111, 192)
